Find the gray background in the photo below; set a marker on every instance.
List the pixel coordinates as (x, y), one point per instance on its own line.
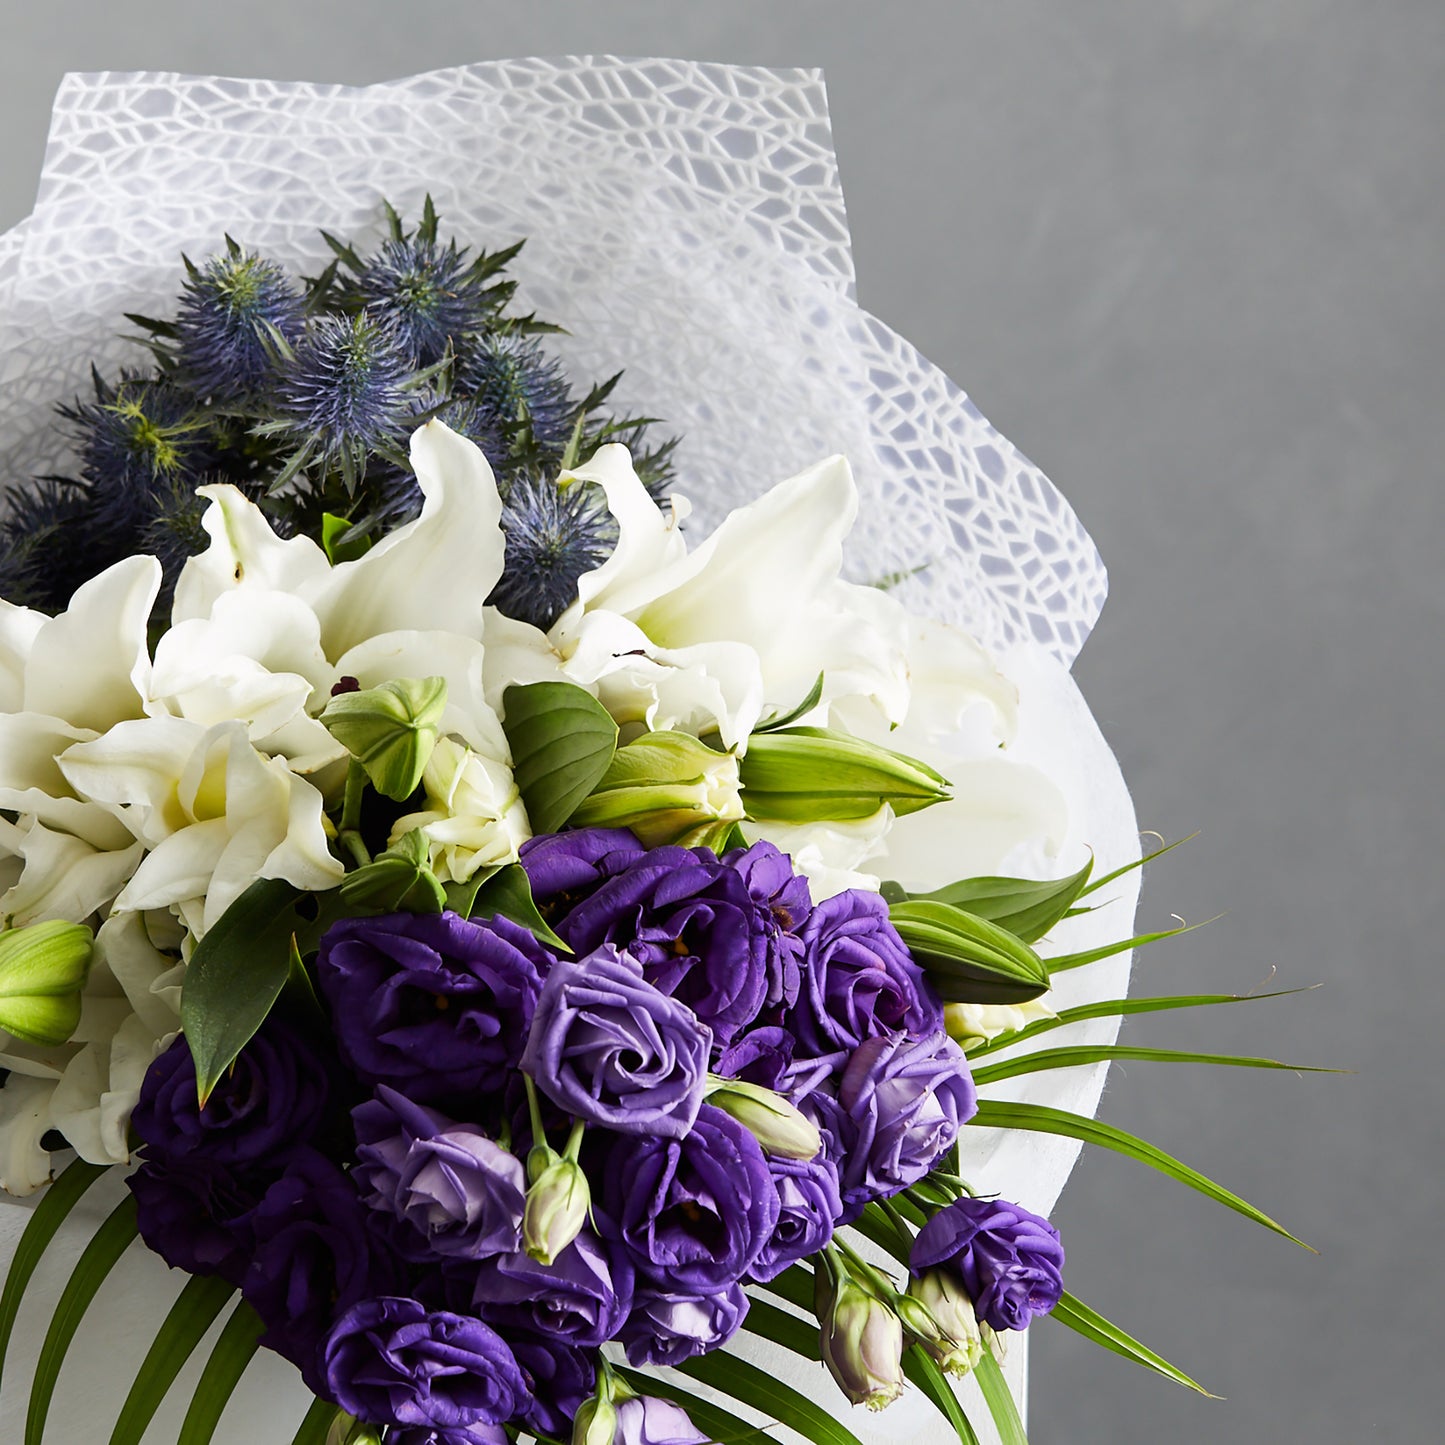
(1196, 274)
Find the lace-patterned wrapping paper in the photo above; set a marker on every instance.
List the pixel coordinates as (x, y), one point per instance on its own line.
(684, 222)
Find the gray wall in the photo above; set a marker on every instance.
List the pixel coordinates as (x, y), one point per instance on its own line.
(1196, 274)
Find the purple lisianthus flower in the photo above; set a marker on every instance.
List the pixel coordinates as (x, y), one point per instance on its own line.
(608, 1047)
(646, 1420)
(390, 1361)
(274, 1099)
(197, 1218)
(313, 1257)
(430, 1002)
(693, 1213)
(859, 978)
(581, 1298)
(1010, 1260)
(478, 1434)
(560, 1377)
(808, 1208)
(565, 867)
(665, 1328)
(460, 1193)
(903, 1101)
(760, 1056)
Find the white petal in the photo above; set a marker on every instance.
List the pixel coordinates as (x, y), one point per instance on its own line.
(516, 652)
(178, 869)
(135, 769)
(24, 1118)
(18, 627)
(32, 784)
(64, 877)
(125, 945)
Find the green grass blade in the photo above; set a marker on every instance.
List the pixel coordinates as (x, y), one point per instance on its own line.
(96, 1261)
(762, 1391)
(1039, 1119)
(921, 1369)
(717, 1424)
(768, 1322)
(1066, 961)
(795, 1285)
(1000, 1401)
(1075, 1057)
(237, 1344)
(317, 1422)
(1117, 1008)
(1093, 1326)
(192, 1314)
(1108, 878)
(47, 1216)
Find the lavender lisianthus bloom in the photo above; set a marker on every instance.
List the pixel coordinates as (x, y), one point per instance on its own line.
(1010, 1260)
(905, 1100)
(859, 979)
(666, 1328)
(391, 1361)
(566, 867)
(772, 884)
(760, 1056)
(477, 1434)
(197, 1218)
(274, 1099)
(313, 1258)
(608, 1047)
(460, 1193)
(580, 1299)
(429, 1002)
(646, 1420)
(559, 1376)
(693, 1213)
(808, 1208)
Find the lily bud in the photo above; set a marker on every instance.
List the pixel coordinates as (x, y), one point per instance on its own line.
(863, 1347)
(813, 775)
(595, 1422)
(397, 881)
(347, 1430)
(942, 1295)
(556, 1209)
(780, 1128)
(43, 968)
(667, 787)
(970, 1025)
(390, 730)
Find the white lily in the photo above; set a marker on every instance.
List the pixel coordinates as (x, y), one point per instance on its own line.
(63, 876)
(24, 1120)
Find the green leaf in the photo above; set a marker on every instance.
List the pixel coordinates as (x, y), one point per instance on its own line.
(717, 1424)
(807, 705)
(1072, 1058)
(562, 742)
(1114, 1007)
(968, 959)
(795, 1285)
(768, 1322)
(509, 892)
(920, 1367)
(96, 1261)
(317, 1422)
(335, 542)
(1000, 1401)
(1108, 878)
(240, 967)
(1038, 1118)
(1123, 945)
(196, 1307)
(1093, 1326)
(47, 1216)
(1025, 907)
(234, 1349)
(780, 1402)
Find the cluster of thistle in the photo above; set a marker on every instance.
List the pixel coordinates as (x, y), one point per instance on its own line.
(302, 393)
(506, 1146)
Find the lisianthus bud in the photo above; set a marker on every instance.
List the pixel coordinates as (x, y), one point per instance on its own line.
(595, 1423)
(390, 730)
(863, 1347)
(556, 1209)
(779, 1127)
(347, 1430)
(961, 1345)
(397, 881)
(812, 775)
(667, 787)
(42, 970)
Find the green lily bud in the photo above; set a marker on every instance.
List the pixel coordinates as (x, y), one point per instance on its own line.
(42, 970)
(968, 959)
(390, 730)
(959, 1346)
(667, 787)
(556, 1209)
(595, 1422)
(397, 881)
(348, 1430)
(814, 775)
(863, 1347)
(779, 1127)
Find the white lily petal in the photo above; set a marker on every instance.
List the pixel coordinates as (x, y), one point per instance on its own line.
(132, 1052)
(64, 877)
(177, 869)
(125, 945)
(31, 1060)
(18, 627)
(91, 664)
(951, 674)
(829, 855)
(24, 1118)
(31, 783)
(516, 653)
(442, 565)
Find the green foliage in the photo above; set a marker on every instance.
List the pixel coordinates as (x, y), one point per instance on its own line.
(232, 1353)
(968, 959)
(562, 742)
(1024, 907)
(1093, 1326)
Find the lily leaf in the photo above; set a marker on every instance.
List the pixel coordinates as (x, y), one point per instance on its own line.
(317, 1422)
(1000, 1401)
(232, 1353)
(1072, 1058)
(807, 705)
(1038, 1118)
(1027, 908)
(562, 742)
(768, 1322)
(1093, 1326)
(919, 1366)
(968, 959)
(1108, 878)
(47, 1216)
(95, 1263)
(744, 1381)
(509, 892)
(1108, 950)
(196, 1307)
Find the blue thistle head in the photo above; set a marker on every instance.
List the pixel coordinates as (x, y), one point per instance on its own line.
(518, 388)
(345, 390)
(50, 544)
(553, 537)
(228, 309)
(468, 419)
(174, 532)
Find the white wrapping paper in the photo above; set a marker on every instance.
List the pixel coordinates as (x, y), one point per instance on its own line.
(684, 222)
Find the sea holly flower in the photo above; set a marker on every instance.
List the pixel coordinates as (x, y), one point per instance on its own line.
(518, 388)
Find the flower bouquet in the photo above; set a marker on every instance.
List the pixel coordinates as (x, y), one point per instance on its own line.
(542, 810)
